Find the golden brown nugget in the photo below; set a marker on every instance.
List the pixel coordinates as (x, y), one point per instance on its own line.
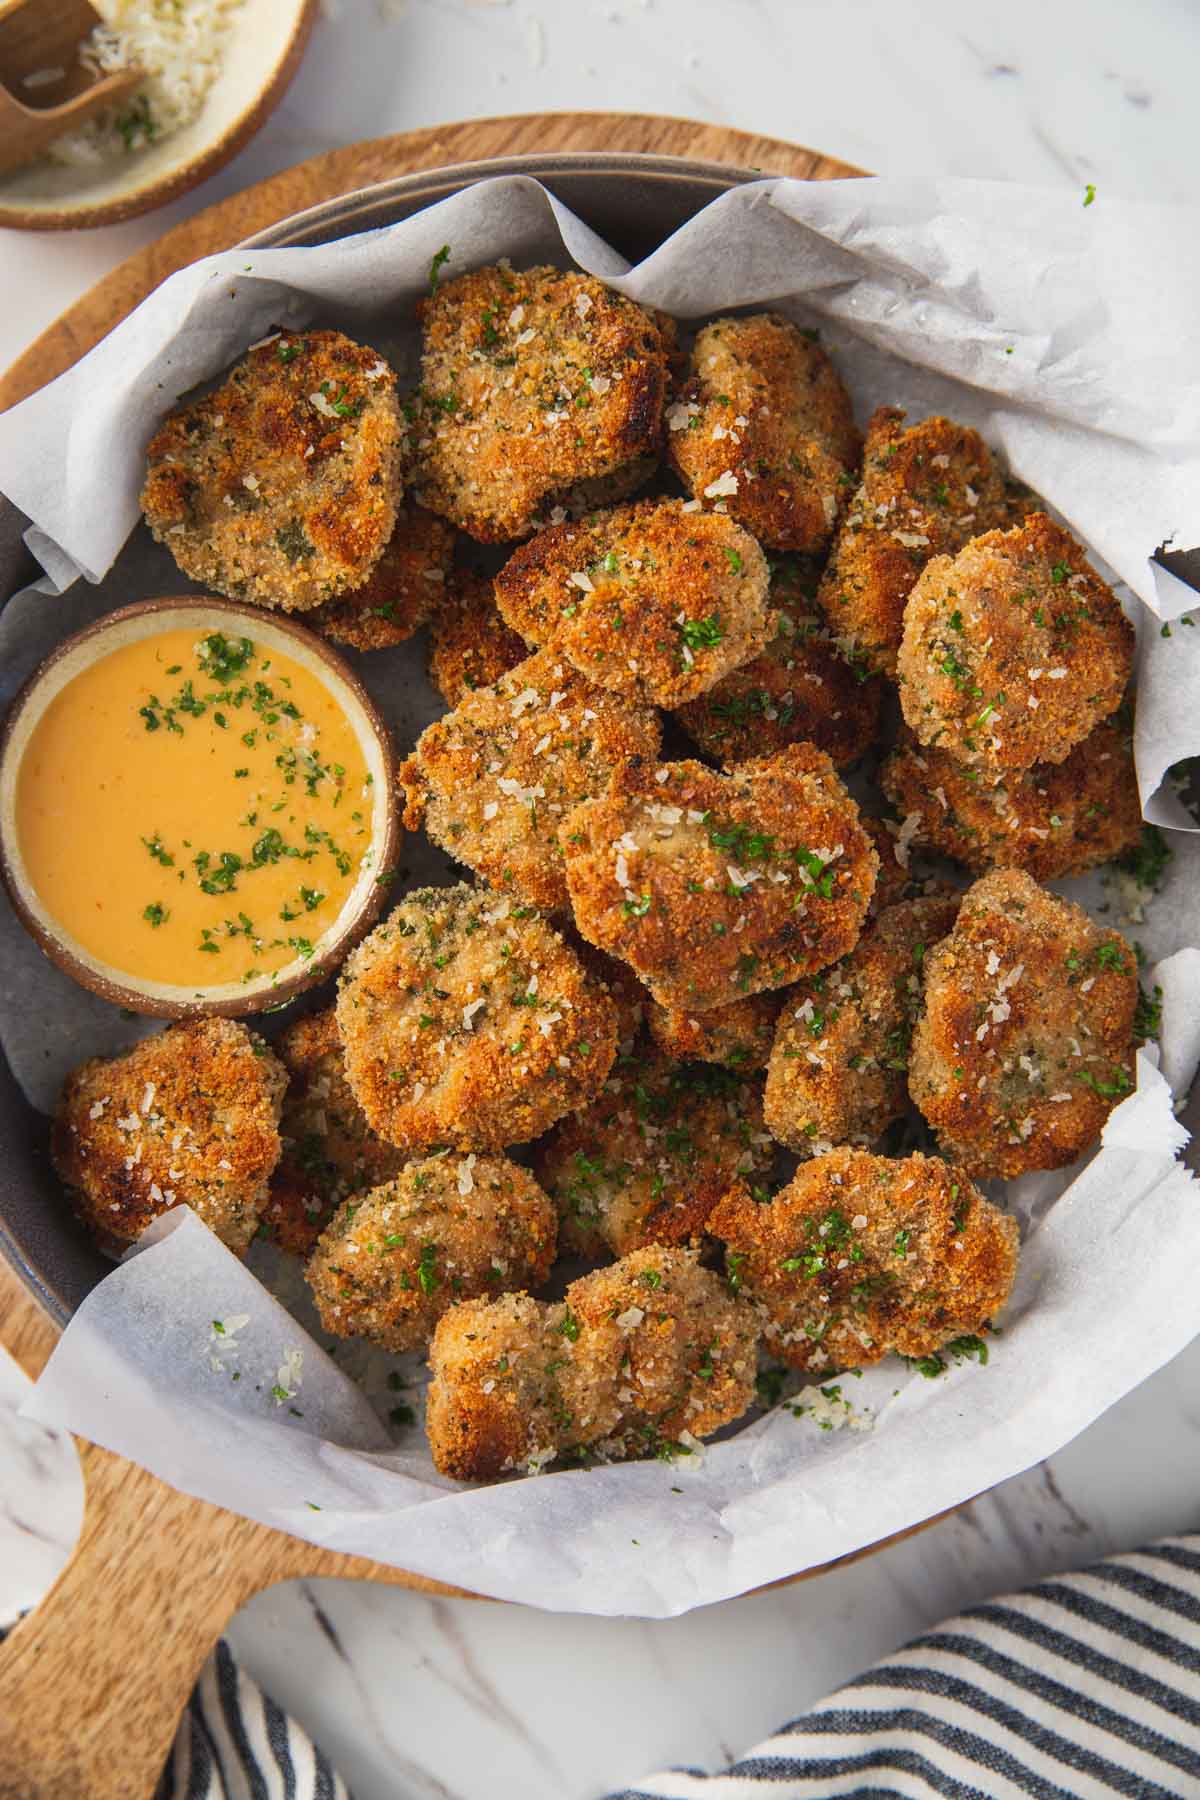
(650, 600)
(448, 1228)
(1014, 650)
(860, 1256)
(470, 646)
(188, 1117)
(925, 492)
(533, 384)
(739, 1036)
(801, 689)
(763, 428)
(329, 1150)
(1051, 820)
(1026, 1041)
(281, 487)
(493, 780)
(631, 999)
(401, 591)
(714, 887)
(840, 1056)
(466, 1020)
(645, 1162)
(638, 1357)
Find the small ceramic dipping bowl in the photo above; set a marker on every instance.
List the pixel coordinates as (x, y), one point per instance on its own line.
(376, 834)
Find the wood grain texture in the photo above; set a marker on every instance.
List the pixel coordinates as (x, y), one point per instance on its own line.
(359, 165)
(93, 1682)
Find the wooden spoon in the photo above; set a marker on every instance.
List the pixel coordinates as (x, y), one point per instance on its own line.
(44, 88)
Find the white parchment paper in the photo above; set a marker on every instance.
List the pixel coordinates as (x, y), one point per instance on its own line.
(1068, 335)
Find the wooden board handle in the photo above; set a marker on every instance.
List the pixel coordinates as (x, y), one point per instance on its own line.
(93, 1682)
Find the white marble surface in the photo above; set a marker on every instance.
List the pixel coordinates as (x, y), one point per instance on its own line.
(434, 1700)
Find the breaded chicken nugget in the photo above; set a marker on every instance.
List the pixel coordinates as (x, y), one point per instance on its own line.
(763, 427)
(281, 487)
(713, 887)
(647, 1159)
(838, 1064)
(329, 1150)
(637, 1356)
(1025, 1043)
(897, 880)
(470, 646)
(739, 1036)
(631, 999)
(450, 1228)
(401, 591)
(188, 1117)
(649, 600)
(466, 1020)
(859, 1256)
(493, 780)
(800, 690)
(1051, 820)
(925, 492)
(533, 383)
(1013, 650)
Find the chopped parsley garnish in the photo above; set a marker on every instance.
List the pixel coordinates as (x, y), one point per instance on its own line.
(702, 634)
(155, 914)
(436, 266)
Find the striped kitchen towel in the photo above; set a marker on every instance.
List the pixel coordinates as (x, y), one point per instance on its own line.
(235, 1744)
(1082, 1687)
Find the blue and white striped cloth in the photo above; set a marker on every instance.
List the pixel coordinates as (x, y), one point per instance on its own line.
(1080, 1688)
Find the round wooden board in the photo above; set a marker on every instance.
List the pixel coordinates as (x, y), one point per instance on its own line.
(337, 172)
(171, 1568)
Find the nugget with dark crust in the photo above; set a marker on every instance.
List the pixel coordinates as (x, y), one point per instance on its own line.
(493, 780)
(535, 383)
(1013, 650)
(470, 646)
(638, 1356)
(1026, 1042)
(466, 1020)
(401, 591)
(281, 486)
(840, 1056)
(649, 600)
(1051, 820)
(449, 1228)
(763, 428)
(925, 492)
(739, 1036)
(897, 880)
(713, 887)
(645, 1162)
(329, 1150)
(801, 689)
(188, 1117)
(859, 1256)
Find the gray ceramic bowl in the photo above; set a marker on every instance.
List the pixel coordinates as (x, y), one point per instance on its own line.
(635, 202)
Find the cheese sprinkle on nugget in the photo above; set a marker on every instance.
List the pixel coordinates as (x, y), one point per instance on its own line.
(188, 1117)
(838, 1064)
(1026, 1040)
(714, 887)
(651, 601)
(493, 780)
(470, 646)
(924, 493)
(763, 429)
(281, 487)
(860, 1256)
(1013, 650)
(637, 1357)
(466, 1020)
(446, 1229)
(1051, 820)
(535, 384)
